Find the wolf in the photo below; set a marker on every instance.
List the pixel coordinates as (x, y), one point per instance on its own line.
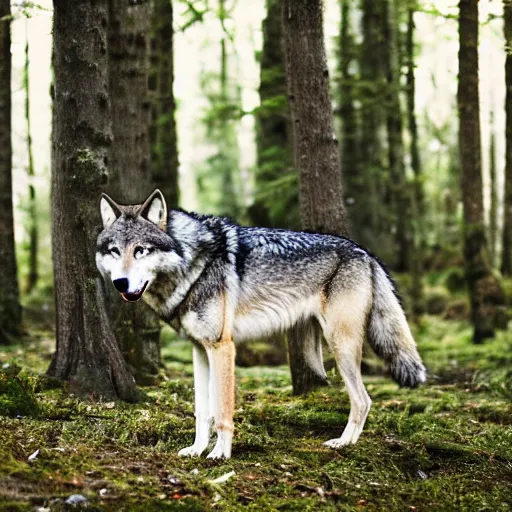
(220, 283)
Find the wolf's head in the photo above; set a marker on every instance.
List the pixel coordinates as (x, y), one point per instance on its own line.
(134, 248)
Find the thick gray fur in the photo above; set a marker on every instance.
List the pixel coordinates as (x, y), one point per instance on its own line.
(217, 281)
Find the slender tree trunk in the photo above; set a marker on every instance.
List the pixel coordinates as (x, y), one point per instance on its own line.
(227, 138)
(417, 199)
(316, 155)
(10, 309)
(399, 190)
(485, 290)
(507, 228)
(493, 210)
(33, 274)
(164, 148)
(87, 353)
(273, 135)
(356, 182)
(136, 326)
(372, 98)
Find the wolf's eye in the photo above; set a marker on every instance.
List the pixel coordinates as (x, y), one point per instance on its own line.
(140, 251)
(114, 251)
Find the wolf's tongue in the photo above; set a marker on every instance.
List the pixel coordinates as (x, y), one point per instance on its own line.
(131, 297)
(134, 297)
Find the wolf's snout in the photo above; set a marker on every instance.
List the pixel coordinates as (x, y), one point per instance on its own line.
(121, 284)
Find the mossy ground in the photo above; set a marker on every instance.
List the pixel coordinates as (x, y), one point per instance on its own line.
(444, 446)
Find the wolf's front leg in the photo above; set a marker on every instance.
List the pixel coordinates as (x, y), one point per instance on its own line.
(222, 395)
(203, 416)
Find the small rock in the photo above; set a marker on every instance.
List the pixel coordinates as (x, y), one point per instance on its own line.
(33, 456)
(320, 491)
(173, 480)
(76, 499)
(195, 471)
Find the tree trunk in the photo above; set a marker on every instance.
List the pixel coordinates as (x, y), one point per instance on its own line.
(87, 353)
(399, 190)
(372, 96)
(163, 140)
(485, 290)
(136, 326)
(417, 200)
(273, 132)
(356, 183)
(33, 274)
(507, 228)
(493, 210)
(10, 309)
(316, 152)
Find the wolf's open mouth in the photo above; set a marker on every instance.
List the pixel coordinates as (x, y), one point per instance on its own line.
(134, 297)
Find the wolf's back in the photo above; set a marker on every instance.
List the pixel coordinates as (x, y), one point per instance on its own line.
(389, 334)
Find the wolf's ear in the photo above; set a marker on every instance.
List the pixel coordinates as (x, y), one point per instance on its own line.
(109, 211)
(154, 209)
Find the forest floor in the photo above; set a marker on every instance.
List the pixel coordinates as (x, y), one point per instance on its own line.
(444, 446)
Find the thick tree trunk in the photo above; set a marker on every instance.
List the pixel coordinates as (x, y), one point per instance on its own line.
(87, 353)
(485, 290)
(316, 151)
(164, 149)
(401, 204)
(273, 136)
(507, 228)
(417, 200)
(10, 309)
(136, 326)
(33, 244)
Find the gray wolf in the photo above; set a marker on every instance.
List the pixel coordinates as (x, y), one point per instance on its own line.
(220, 283)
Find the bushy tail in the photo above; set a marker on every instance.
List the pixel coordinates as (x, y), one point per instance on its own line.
(389, 334)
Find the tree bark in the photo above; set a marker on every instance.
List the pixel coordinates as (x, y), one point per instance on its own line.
(163, 139)
(485, 290)
(507, 228)
(136, 326)
(87, 353)
(33, 273)
(316, 154)
(10, 309)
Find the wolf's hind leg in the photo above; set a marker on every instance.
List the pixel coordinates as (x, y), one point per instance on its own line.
(202, 413)
(345, 338)
(221, 357)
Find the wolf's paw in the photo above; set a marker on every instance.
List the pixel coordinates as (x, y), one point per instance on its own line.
(219, 452)
(191, 451)
(336, 443)
(222, 448)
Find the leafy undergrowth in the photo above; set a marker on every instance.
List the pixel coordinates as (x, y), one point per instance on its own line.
(444, 446)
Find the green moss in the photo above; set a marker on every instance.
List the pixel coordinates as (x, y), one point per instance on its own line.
(444, 446)
(16, 393)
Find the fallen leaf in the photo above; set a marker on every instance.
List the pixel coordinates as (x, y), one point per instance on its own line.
(221, 479)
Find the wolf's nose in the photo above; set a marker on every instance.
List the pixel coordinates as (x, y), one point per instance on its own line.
(121, 284)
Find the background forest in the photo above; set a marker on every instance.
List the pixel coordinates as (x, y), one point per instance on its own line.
(389, 121)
